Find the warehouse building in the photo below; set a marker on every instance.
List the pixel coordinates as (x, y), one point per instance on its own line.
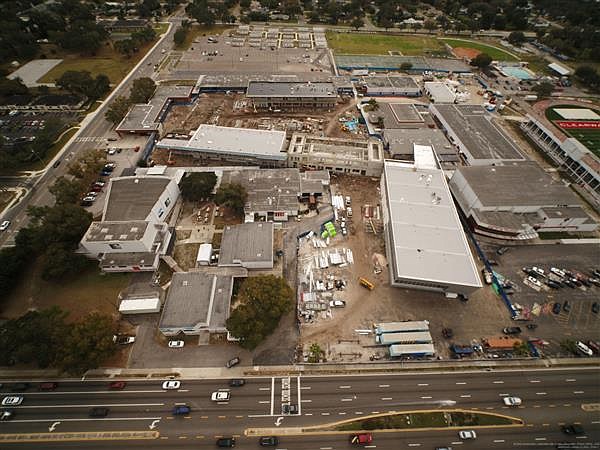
(517, 202)
(249, 245)
(133, 233)
(351, 156)
(273, 95)
(228, 146)
(479, 140)
(400, 143)
(425, 243)
(581, 165)
(390, 86)
(439, 92)
(146, 119)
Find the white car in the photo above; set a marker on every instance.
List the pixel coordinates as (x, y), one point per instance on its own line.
(337, 303)
(5, 225)
(220, 396)
(176, 344)
(467, 434)
(512, 401)
(12, 400)
(171, 384)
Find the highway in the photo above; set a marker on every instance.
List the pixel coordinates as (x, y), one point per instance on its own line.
(550, 398)
(94, 127)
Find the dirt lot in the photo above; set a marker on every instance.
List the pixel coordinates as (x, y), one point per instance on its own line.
(335, 330)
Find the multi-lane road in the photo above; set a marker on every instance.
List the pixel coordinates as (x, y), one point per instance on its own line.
(94, 129)
(550, 398)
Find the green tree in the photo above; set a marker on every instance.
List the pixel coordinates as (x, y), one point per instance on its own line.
(357, 23)
(66, 191)
(179, 36)
(142, 90)
(430, 25)
(406, 66)
(482, 60)
(117, 109)
(59, 261)
(12, 87)
(315, 353)
(126, 47)
(543, 89)
(373, 105)
(262, 301)
(198, 185)
(588, 76)
(88, 344)
(516, 38)
(233, 196)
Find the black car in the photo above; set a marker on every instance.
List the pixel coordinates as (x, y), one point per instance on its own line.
(237, 382)
(232, 362)
(572, 429)
(98, 412)
(531, 326)
(556, 308)
(566, 306)
(511, 330)
(289, 409)
(226, 442)
(268, 441)
(553, 284)
(56, 164)
(595, 307)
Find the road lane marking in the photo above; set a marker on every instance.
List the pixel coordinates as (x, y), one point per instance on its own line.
(503, 395)
(499, 441)
(272, 394)
(567, 404)
(344, 387)
(346, 399)
(414, 445)
(325, 413)
(264, 389)
(375, 412)
(264, 401)
(423, 384)
(384, 385)
(534, 381)
(239, 417)
(595, 422)
(541, 393)
(299, 396)
(577, 392)
(540, 439)
(343, 414)
(183, 437)
(456, 443)
(570, 380)
(581, 437)
(84, 419)
(325, 448)
(498, 382)
(306, 388)
(308, 414)
(306, 401)
(91, 406)
(114, 391)
(222, 417)
(536, 406)
(426, 397)
(386, 398)
(460, 382)
(465, 396)
(545, 424)
(359, 413)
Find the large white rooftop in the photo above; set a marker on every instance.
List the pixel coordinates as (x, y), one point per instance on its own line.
(427, 239)
(228, 140)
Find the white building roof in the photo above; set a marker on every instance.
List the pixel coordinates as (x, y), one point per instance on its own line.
(228, 140)
(427, 238)
(424, 157)
(440, 92)
(560, 69)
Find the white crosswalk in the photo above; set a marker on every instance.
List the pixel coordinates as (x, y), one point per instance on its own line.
(90, 139)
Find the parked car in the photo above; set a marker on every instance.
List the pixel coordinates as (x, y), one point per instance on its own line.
(487, 276)
(361, 438)
(584, 349)
(237, 382)
(512, 401)
(447, 333)
(594, 346)
(48, 386)
(553, 284)
(88, 199)
(566, 306)
(171, 384)
(595, 307)
(4, 225)
(531, 326)
(467, 434)
(511, 330)
(12, 400)
(268, 441)
(232, 362)
(117, 385)
(122, 339)
(574, 429)
(502, 250)
(56, 163)
(337, 304)
(220, 396)
(98, 412)
(176, 344)
(181, 410)
(226, 442)
(556, 308)
(534, 281)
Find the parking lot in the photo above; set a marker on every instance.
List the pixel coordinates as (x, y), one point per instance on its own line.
(20, 127)
(577, 322)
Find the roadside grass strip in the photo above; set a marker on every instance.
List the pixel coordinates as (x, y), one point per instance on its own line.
(80, 436)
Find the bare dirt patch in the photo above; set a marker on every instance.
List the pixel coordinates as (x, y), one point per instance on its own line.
(467, 53)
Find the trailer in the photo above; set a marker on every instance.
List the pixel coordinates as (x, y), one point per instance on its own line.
(414, 350)
(419, 337)
(140, 305)
(409, 326)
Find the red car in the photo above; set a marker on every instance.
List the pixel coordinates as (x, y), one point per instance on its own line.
(361, 439)
(117, 385)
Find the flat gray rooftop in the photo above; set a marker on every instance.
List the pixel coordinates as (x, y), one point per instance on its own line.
(248, 242)
(400, 115)
(388, 62)
(116, 231)
(427, 238)
(390, 81)
(268, 189)
(262, 144)
(285, 89)
(524, 184)
(132, 198)
(401, 141)
(348, 149)
(197, 299)
(129, 259)
(474, 128)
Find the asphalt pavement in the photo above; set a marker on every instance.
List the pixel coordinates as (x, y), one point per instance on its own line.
(550, 398)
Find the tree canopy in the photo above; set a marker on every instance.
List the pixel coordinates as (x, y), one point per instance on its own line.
(543, 89)
(516, 38)
(117, 109)
(142, 90)
(482, 60)
(262, 301)
(82, 82)
(198, 185)
(233, 196)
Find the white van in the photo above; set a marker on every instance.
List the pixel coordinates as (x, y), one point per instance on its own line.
(584, 348)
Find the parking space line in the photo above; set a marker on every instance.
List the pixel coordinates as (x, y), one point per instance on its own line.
(272, 394)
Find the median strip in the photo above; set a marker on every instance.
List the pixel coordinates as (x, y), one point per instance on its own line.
(82, 436)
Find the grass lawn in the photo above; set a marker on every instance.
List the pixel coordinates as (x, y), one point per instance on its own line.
(85, 292)
(198, 31)
(495, 52)
(380, 44)
(5, 198)
(161, 28)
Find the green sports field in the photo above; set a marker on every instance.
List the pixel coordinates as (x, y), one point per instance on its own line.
(589, 138)
(381, 44)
